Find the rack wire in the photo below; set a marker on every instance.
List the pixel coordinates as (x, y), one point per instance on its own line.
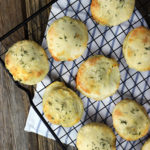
(132, 80)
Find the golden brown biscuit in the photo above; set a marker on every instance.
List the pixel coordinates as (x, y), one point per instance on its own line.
(61, 105)
(67, 39)
(112, 12)
(96, 136)
(98, 77)
(146, 145)
(27, 62)
(136, 49)
(130, 120)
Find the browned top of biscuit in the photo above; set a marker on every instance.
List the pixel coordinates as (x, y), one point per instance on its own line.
(27, 62)
(98, 77)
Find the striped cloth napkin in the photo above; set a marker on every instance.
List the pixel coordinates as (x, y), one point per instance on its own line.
(102, 40)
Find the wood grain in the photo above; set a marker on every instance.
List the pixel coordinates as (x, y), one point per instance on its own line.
(36, 27)
(14, 105)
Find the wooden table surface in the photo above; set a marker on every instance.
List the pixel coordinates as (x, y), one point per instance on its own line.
(14, 105)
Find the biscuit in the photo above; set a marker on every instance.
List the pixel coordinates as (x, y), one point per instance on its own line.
(67, 39)
(98, 77)
(112, 12)
(136, 49)
(130, 120)
(146, 145)
(61, 105)
(96, 136)
(27, 62)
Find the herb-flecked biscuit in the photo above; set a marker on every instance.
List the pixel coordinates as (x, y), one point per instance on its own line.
(98, 77)
(67, 39)
(146, 145)
(27, 62)
(96, 136)
(130, 120)
(61, 105)
(136, 49)
(112, 12)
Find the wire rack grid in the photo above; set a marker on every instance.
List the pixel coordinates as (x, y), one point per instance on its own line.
(131, 80)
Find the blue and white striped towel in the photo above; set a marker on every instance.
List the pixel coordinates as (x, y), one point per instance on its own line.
(102, 40)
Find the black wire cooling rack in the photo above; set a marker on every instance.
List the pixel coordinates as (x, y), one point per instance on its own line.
(143, 6)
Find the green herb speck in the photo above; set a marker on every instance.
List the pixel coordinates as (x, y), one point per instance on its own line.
(25, 52)
(147, 48)
(57, 109)
(63, 105)
(65, 37)
(122, 2)
(49, 103)
(103, 145)
(21, 62)
(11, 52)
(19, 80)
(22, 48)
(32, 58)
(123, 122)
(24, 65)
(108, 11)
(133, 111)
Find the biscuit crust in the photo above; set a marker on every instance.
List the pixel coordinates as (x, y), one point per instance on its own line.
(130, 120)
(27, 62)
(136, 49)
(96, 136)
(61, 105)
(112, 12)
(67, 39)
(146, 145)
(98, 77)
